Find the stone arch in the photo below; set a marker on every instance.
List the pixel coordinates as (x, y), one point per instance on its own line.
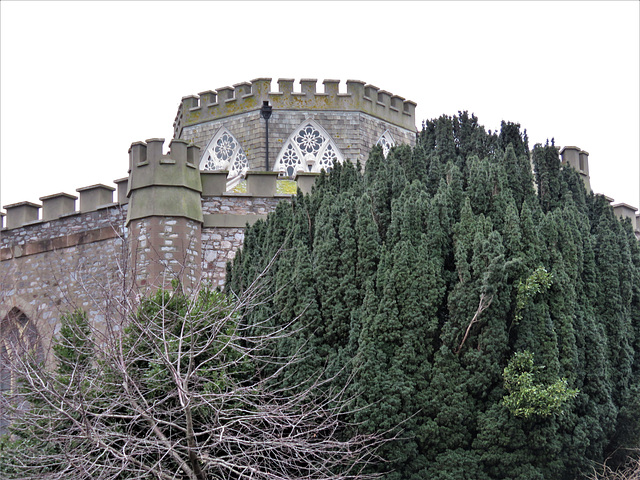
(15, 301)
(224, 152)
(308, 149)
(387, 142)
(19, 339)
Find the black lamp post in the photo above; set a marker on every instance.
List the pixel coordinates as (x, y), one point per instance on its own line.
(265, 112)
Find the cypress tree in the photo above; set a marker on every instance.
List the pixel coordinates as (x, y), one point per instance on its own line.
(398, 338)
(470, 138)
(518, 174)
(510, 135)
(547, 170)
(410, 276)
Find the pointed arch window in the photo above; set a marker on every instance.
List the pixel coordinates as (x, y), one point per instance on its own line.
(18, 339)
(308, 149)
(225, 153)
(387, 142)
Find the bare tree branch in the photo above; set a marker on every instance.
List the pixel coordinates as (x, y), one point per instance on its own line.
(482, 306)
(181, 388)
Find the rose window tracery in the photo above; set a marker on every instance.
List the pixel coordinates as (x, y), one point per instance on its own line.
(225, 147)
(387, 142)
(225, 153)
(308, 149)
(309, 140)
(240, 166)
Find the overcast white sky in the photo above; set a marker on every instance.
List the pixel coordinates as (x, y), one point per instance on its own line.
(81, 81)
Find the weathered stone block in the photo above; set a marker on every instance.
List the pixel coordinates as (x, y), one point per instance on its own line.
(18, 214)
(95, 196)
(214, 183)
(306, 180)
(53, 206)
(261, 184)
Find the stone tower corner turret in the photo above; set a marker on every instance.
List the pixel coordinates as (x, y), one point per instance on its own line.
(165, 213)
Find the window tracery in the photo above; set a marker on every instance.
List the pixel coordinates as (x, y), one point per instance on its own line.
(308, 149)
(387, 142)
(225, 153)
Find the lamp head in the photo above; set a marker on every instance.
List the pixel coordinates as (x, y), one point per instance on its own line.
(265, 110)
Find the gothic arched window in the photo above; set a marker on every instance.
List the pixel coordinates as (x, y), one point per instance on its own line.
(308, 149)
(18, 340)
(225, 153)
(386, 141)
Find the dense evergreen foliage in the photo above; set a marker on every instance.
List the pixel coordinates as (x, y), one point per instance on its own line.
(412, 276)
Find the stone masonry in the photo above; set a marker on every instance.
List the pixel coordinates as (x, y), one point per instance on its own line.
(355, 120)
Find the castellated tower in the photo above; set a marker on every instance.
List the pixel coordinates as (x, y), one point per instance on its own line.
(308, 130)
(165, 215)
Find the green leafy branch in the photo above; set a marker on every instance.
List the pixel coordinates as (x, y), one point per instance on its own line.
(526, 397)
(540, 280)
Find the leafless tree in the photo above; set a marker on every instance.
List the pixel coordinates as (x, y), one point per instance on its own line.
(629, 471)
(179, 387)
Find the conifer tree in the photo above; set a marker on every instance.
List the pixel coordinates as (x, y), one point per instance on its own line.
(415, 277)
(547, 170)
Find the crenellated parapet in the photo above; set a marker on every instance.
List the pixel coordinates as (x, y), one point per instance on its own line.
(98, 220)
(62, 212)
(249, 96)
(164, 185)
(61, 205)
(578, 159)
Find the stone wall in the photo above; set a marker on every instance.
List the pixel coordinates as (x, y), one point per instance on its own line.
(68, 230)
(164, 249)
(240, 204)
(354, 133)
(219, 246)
(220, 242)
(92, 261)
(49, 268)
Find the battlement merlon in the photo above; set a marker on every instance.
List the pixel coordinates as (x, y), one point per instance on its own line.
(249, 96)
(94, 197)
(56, 205)
(22, 213)
(625, 210)
(579, 160)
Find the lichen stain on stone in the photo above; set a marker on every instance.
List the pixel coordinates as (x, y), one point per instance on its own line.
(193, 117)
